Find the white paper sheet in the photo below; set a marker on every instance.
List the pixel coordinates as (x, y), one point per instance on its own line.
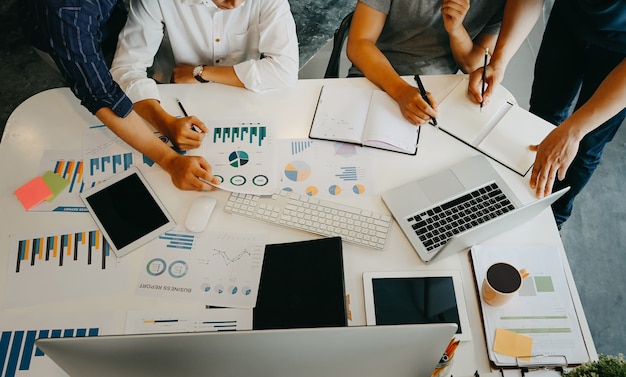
(543, 308)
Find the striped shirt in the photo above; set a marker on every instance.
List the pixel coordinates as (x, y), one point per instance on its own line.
(72, 32)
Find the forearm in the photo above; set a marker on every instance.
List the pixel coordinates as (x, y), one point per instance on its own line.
(136, 133)
(608, 100)
(222, 75)
(469, 54)
(519, 18)
(153, 113)
(375, 66)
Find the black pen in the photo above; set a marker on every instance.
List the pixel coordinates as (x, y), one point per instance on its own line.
(420, 86)
(182, 108)
(482, 92)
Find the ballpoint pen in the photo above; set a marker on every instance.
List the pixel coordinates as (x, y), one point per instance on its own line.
(420, 86)
(482, 91)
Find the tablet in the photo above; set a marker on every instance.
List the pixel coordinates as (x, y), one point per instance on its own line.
(127, 211)
(416, 297)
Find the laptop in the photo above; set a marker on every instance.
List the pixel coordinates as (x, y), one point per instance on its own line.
(459, 207)
(361, 351)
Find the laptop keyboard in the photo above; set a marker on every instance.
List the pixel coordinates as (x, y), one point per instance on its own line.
(435, 226)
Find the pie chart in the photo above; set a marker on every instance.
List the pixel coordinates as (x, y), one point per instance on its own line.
(238, 158)
(297, 171)
(334, 190)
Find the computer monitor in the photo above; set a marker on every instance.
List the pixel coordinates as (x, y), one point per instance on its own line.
(359, 351)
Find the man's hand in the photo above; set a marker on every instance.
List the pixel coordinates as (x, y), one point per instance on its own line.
(493, 78)
(189, 172)
(186, 133)
(414, 108)
(554, 156)
(453, 12)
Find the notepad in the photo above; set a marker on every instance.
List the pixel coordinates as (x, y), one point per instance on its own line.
(33, 192)
(367, 117)
(501, 130)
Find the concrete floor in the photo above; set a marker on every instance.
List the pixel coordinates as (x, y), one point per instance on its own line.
(594, 237)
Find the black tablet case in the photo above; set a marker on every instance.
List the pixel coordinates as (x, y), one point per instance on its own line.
(301, 286)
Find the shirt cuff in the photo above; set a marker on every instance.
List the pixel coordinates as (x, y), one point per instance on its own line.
(248, 74)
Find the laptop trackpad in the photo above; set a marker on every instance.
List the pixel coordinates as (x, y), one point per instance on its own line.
(441, 186)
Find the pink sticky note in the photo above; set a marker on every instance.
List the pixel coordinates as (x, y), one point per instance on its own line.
(33, 192)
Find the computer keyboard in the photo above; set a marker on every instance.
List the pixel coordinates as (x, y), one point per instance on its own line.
(323, 217)
(435, 226)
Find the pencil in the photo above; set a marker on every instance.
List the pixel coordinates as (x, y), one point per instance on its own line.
(482, 92)
(420, 86)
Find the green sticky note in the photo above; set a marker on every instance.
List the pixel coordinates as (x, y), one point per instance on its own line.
(55, 183)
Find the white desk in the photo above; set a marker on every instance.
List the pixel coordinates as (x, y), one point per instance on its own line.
(55, 120)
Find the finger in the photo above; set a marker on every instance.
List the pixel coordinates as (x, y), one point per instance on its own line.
(199, 124)
(533, 147)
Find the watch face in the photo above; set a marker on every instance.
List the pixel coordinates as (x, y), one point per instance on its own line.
(197, 70)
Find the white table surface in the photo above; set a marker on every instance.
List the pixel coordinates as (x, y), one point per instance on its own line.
(54, 119)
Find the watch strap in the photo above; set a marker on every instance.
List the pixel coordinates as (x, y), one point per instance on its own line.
(198, 73)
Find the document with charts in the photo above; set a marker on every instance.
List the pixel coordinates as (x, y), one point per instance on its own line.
(367, 117)
(212, 268)
(501, 130)
(543, 309)
(241, 154)
(325, 169)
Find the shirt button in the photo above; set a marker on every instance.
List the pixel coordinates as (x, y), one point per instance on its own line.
(217, 61)
(217, 40)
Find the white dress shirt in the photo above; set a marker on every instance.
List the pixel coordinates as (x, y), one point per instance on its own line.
(201, 33)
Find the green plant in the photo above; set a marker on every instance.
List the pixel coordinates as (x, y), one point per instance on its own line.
(605, 366)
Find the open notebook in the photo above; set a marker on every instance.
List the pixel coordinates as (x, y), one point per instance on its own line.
(501, 130)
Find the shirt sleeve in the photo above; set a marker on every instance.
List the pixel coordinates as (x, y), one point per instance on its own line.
(138, 44)
(74, 44)
(278, 44)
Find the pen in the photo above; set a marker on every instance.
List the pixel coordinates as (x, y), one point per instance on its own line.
(182, 108)
(482, 92)
(420, 86)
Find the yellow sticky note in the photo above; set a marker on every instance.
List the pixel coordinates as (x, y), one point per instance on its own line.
(510, 343)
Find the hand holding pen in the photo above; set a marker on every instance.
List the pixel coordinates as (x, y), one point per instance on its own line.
(422, 90)
(182, 108)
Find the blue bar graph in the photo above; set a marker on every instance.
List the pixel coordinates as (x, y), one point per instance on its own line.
(178, 241)
(17, 348)
(348, 173)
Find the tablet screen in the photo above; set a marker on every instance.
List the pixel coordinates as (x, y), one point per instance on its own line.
(416, 297)
(127, 211)
(415, 300)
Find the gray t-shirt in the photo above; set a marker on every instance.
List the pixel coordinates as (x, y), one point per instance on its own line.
(414, 39)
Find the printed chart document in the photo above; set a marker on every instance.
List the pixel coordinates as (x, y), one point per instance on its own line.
(501, 130)
(19, 357)
(168, 321)
(543, 309)
(44, 267)
(241, 154)
(368, 117)
(213, 268)
(325, 169)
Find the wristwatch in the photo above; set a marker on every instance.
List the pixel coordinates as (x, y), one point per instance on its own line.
(197, 73)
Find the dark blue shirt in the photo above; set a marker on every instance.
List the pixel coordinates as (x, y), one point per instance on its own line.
(73, 33)
(600, 22)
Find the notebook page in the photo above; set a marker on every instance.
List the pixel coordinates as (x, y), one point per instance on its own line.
(341, 113)
(508, 142)
(464, 119)
(386, 127)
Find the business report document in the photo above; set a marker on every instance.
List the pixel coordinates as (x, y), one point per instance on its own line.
(367, 117)
(501, 130)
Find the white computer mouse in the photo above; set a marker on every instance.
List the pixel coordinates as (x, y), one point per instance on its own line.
(199, 213)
